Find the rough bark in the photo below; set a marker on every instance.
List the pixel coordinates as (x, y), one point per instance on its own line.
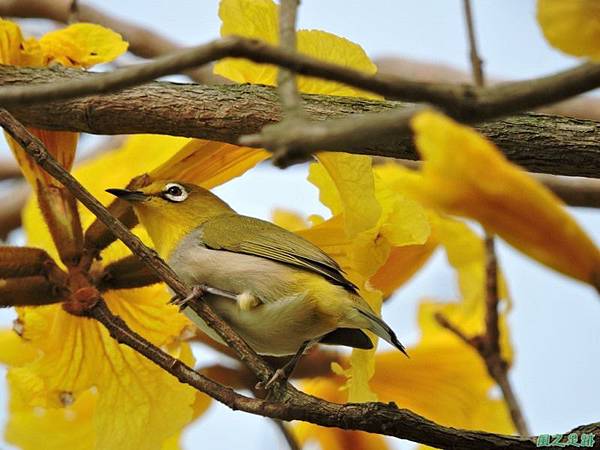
(538, 142)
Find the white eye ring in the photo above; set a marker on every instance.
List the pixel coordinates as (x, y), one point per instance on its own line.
(175, 192)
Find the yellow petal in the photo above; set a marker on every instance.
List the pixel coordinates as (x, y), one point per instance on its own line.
(32, 428)
(56, 203)
(507, 201)
(258, 19)
(14, 350)
(572, 26)
(209, 163)
(60, 144)
(362, 362)
(403, 220)
(444, 380)
(290, 220)
(401, 265)
(76, 353)
(82, 45)
(466, 254)
(347, 186)
(334, 438)
(338, 50)
(10, 42)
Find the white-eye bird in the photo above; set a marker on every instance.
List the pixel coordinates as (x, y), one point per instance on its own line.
(287, 294)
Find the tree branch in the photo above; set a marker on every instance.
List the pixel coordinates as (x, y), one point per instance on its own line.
(460, 101)
(476, 61)
(380, 418)
(538, 142)
(488, 345)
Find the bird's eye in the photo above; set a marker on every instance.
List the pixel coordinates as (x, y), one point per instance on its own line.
(175, 192)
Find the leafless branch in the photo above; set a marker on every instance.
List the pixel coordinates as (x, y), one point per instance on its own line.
(286, 79)
(476, 61)
(488, 345)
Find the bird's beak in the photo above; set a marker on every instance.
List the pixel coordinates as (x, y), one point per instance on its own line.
(130, 196)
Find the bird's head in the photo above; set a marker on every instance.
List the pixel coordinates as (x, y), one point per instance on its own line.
(169, 210)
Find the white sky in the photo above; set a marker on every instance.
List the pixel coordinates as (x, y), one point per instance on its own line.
(554, 320)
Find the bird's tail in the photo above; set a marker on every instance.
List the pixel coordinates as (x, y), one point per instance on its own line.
(381, 329)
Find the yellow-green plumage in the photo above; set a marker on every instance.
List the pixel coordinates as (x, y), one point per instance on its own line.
(292, 291)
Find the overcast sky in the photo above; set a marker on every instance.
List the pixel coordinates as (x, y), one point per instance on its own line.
(554, 323)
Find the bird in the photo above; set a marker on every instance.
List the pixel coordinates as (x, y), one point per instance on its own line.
(281, 293)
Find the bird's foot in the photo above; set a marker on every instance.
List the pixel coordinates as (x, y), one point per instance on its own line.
(280, 375)
(198, 291)
(283, 373)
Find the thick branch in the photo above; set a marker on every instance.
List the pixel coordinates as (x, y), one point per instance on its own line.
(538, 142)
(463, 102)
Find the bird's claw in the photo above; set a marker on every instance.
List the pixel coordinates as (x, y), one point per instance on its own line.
(279, 375)
(198, 291)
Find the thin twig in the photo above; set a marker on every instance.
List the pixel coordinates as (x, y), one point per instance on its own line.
(293, 405)
(476, 61)
(373, 417)
(286, 79)
(291, 101)
(73, 12)
(490, 344)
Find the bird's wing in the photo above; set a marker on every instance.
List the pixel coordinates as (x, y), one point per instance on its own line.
(251, 236)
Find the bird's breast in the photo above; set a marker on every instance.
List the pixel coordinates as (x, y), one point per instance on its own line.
(233, 272)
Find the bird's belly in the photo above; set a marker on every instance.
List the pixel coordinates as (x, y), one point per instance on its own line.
(270, 329)
(287, 314)
(233, 272)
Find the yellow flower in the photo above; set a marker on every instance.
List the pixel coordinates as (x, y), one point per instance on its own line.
(572, 26)
(66, 361)
(78, 45)
(444, 380)
(369, 220)
(479, 183)
(82, 45)
(258, 19)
